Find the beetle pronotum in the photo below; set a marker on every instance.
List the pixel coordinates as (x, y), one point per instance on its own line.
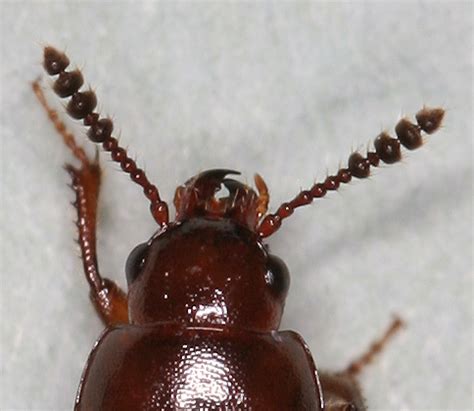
(198, 328)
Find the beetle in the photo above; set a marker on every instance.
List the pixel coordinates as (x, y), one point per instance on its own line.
(198, 328)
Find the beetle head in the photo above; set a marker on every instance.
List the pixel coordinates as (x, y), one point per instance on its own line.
(207, 272)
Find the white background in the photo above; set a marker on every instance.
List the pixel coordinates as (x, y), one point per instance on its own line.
(282, 89)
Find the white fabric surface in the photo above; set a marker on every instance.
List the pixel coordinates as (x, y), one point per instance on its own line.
(283, 89)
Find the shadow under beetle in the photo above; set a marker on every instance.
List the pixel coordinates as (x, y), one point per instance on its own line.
(198, 328)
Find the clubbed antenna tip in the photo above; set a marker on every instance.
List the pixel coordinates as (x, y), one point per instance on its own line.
(81, 106)
(387, 150)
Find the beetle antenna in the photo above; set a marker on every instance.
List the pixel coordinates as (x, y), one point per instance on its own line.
(387, 150)
(81, 107)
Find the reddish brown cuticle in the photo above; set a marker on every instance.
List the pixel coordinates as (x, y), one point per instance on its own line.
(90, 119)
(54, 61)
(387, 148)
(358, 165)
(331, 183)
(138, 176)
(100, 130)
(81, 104)
(318, 190)
(408, 134)
(110, 144)
(344, 175)
(151, 192)
(128, 165)
(373, 159)
(118, 154)
(68, 83)
(286, 210)
(430, 119)
(205, 286)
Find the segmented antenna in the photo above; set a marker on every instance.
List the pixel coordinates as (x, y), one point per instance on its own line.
(387, 149)
(81, 107)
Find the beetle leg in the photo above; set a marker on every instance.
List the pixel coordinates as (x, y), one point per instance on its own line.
(356, 366)
(109, 300)
(81, 107)
(341, 392)
(67, 136)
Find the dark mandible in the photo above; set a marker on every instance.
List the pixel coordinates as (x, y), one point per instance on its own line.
(198, 328)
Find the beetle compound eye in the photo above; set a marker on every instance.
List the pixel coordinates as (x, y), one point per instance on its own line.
(135, 262)
(207, 324)
(277, 276)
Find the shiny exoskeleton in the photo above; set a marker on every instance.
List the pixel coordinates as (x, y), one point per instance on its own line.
(198, 328)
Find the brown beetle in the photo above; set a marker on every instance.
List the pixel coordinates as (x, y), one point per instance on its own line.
(198, 328)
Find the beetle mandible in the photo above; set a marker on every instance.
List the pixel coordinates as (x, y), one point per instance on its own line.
(198, 328)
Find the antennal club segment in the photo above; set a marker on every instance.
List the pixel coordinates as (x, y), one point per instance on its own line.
(387, 150)
(81, 107)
